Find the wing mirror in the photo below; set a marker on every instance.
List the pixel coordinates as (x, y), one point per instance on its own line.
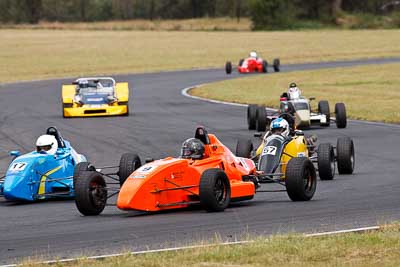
(15, 153)
(312, 98)
(148, 160)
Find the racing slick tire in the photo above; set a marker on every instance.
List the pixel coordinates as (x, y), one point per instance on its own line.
(82, 167)
(228, 67)
(323, 108)
(252, 116)
(261, 122)
(214, 190)
(301, 179)
(345, 155)
(264, 66)
(241, 62)
(90, 193)
(128, 163)
(341, 117)
(244, 148)
(277, 65)
(326, 161)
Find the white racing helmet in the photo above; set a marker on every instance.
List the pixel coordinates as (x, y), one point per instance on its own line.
(280, 126)
(253, 54)
(294, 92)
(46, 144)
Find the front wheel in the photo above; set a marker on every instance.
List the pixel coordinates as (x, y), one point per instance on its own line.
(301, 179)
(326, 161)
(244, 148)
(345, 155)
(214, 190)
(341, 117)
(252, 116)
(90, 193)
(80, 168)
(128, 163)
(228, 67)
(261, 122)
(323, 108)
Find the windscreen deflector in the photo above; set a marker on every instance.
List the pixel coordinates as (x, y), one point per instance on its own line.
(270, 157)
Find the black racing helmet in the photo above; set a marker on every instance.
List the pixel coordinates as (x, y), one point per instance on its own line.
(292, 85)
(192, 148)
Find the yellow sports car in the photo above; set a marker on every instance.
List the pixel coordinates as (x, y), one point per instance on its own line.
(97, 96)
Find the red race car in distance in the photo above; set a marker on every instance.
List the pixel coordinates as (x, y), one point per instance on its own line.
(253, 64)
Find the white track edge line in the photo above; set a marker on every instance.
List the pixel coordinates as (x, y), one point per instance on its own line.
(353, 230)
(185, 92)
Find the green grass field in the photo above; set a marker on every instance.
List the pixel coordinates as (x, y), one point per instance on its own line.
(38, 54)
(369, 92)
(377, 248)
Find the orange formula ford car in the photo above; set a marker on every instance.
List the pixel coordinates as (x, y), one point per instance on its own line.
(206, 173)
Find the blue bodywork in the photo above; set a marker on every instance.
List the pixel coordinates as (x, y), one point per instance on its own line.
(35, 175)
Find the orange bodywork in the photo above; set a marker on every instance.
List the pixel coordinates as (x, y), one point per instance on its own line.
(172, 183)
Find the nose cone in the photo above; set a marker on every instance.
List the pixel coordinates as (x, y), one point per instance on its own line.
(16, 187)
(303, 118)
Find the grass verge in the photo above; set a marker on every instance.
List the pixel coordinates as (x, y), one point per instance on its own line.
(375, 248)
(369, 92)
(40, 54)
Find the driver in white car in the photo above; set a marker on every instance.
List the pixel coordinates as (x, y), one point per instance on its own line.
(293, 91)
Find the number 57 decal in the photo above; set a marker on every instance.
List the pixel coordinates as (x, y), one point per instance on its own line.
(17, 167)
(269, 150)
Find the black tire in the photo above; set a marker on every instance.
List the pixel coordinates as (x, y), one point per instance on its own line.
(301, 179)
(261, 123)
(345, 155)
(228, 67)
(244, 148)
(326, 161)
(129, 163)
(265, 66)
(323, 108)
(341, 117)
(82, 167)
(277, 65)
(241, 62)
(214, 190)
(90, 193)
(252, 116)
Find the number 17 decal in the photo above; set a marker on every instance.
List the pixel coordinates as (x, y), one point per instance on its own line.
(17, 167)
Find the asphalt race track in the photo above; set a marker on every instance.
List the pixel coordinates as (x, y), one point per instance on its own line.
(161, 119)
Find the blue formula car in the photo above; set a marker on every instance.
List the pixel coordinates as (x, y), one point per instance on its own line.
(42, 174)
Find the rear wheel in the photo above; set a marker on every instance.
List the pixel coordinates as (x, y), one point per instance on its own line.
(301, 179)
(265, 66)
(345, 155)
(277, 65)
(129, 163)
(244, 148)
(214, 190)
(341, 117)
(261, 124)
(326, 161)
(323, 108)
(90, 193)
(252, 116)
(228, 67)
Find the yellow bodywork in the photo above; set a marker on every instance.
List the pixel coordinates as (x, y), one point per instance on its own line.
(297, 147)
(72, 109)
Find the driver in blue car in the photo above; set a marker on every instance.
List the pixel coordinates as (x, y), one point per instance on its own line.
(46, 144)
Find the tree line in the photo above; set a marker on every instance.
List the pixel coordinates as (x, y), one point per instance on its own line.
(264, 13)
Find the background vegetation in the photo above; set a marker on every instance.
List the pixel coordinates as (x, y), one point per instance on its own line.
(265, 14)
